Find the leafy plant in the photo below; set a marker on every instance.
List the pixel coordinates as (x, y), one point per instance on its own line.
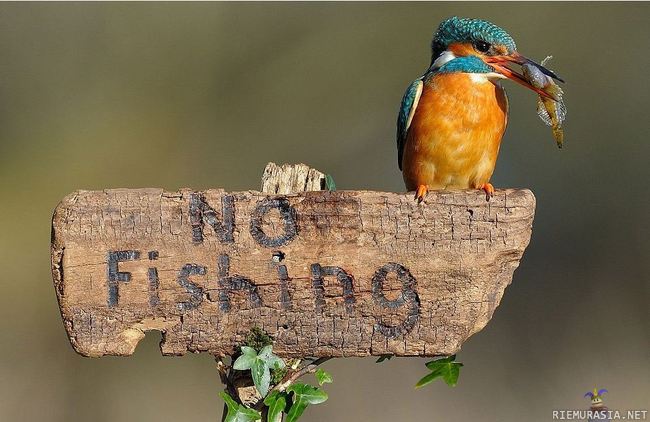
(303, 395)
(276, 402)
(238, 412)
(276, 382)
(277, 374)
(260, 365)
(445, 368)
(323, 377)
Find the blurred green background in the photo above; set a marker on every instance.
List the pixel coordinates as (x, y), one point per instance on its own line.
(203, 95)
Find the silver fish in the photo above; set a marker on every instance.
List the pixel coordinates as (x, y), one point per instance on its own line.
(551, 111)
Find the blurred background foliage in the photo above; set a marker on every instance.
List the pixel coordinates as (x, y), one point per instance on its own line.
(201, 95)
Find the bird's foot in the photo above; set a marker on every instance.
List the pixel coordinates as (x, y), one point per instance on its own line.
(488, 189)
(421, 192)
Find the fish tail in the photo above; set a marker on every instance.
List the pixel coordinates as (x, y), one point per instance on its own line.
(558, 134)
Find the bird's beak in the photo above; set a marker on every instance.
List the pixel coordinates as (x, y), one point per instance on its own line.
(499, 63)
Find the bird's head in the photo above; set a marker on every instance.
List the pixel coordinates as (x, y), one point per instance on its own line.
(476, 38)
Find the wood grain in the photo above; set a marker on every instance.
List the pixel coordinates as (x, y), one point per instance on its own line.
(346, 273)
(291, 178)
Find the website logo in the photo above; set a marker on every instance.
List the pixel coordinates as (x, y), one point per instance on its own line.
(598, 412)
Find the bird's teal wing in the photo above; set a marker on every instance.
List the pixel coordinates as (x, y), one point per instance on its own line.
(406, 112)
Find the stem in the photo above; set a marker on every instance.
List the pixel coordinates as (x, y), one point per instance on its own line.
(224, 412)
(226, 380)
(291, 377)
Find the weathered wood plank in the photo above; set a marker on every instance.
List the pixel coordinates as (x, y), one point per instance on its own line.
(346, 273)
(291, 178)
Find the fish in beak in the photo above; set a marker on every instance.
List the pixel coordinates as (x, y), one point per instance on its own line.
(535, 76)
(499, 63)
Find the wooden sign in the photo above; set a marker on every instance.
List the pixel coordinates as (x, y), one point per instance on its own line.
(345, 273)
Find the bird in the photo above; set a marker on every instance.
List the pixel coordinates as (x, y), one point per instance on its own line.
(453, 117)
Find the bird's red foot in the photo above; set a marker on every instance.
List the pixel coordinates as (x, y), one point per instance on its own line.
(489, 190)
(421, 192)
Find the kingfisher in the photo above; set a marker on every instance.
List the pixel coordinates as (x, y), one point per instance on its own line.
(453, 117)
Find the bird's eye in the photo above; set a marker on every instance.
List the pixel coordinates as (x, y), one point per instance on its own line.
(482, 46)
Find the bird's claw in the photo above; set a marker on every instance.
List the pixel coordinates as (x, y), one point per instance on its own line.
(489, 190)
(421, 192)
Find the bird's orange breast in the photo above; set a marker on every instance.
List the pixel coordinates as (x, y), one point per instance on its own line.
(454, 137)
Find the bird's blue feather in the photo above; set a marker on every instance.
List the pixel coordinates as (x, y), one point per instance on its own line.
(466, 64)
(457, 29)
(408, 104)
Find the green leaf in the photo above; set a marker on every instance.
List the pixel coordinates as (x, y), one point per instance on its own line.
(230, 402)
(260, 365)
(323, 376)
(238, 412)
(278, 374)
(451, 375)
(277, 363)
(303, 395)
(427, 379)
(261, 375)
(446, 368)
(248, 351)
(296, 411)
(308, 393)
(329, 183)
(277, 403)
(246, 360)
(266, 352)
(383, 358)
(439, 362)
(271, 360)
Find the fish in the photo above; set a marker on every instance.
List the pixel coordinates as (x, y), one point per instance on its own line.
(552, 110)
